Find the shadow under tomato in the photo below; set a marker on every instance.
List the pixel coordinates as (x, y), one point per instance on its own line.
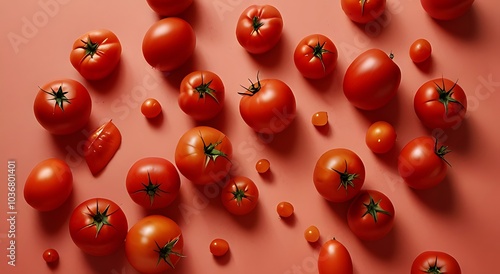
(52, 222)
(106, 264)
(268, 176)
(157, 121)
(223, 260)
(457, 138)
(290, 221)
(465, 27)
(384, 249)
(428, 66)
(272, 58)
(339, 210)
(440, 199)
(330, 84)
(220, 121)
(107, 84)
(249, 221)
(285, 142)
(174, 78)
(389, 113)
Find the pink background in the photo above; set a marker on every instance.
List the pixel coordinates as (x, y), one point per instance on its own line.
(460, 216)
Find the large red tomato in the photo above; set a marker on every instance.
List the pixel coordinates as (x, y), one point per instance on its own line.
(201, 95)
(334, 258)
(363, 11)
(421, 163)
(48, 185)
(440, 103)
(259, 28)
(339, 175)
(168, 43)
(371, 215)
(268, 106)
(371, 80)
(98, 227)
(435, 262)
(315, 56)
(153, 182)
(154, 244)
(62, 106)
(169, 7)
(96, 53)
(101, 146)
(240, 195)
(203, 155)
(446, 9)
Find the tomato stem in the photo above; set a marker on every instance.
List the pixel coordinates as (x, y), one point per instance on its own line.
(256, 23)
(441, 151)
(373, 208)
(151, 189)
(204, 89)
(254, 87)
(58, 96)
(346, 179)
(211, 153)
(89, 47)
(167, 250)
(446, 96)
(99, 219)
(318, 51)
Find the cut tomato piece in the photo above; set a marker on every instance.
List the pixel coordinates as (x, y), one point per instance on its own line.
(101, 146)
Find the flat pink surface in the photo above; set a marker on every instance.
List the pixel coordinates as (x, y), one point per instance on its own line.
(459, 217)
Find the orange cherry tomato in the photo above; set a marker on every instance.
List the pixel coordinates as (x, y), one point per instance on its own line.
(284, 209)
(311, 234)
(319, 118)
(380, 137)
(262, 165)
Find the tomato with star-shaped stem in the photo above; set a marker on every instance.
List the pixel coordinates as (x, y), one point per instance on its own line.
(240, 195)
(363, 11)
(315, 56)
(435, 262)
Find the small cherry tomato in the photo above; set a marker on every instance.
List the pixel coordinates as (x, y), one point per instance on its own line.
(151, 108)
(219, 247)
(380, 137)
(311, 234)
(284, 209)
(420, 50)
(262, 166)
(50, 255)
(319, 118)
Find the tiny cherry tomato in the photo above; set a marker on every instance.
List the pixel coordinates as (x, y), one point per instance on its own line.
(284, 209)
(311, 234)
(319, 118)
(219, 247)
(262, 165)
(380, 137)
(420, 50)
(50, 255)
(151, 108)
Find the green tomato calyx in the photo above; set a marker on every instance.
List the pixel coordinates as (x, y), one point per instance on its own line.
(446, 96)
(204, 90)
(318, 51)
(254, 87)
(165, 251)
(211, 152)
(346, 179)
(99, 219)
(151, 189)
(89, 47)
(373, 208)
(58, 96)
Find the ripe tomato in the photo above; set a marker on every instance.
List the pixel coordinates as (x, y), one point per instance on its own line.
(435, 262)
(334, 258)
(240, 195)
(371, 80)
(150, 108)
(219, 247)
(203, 155)
(268, 106)
(50, 256)
(338, 175)
(315, 56)
(98, 227)
(153, 182)
(101, 146)
(363, 11)
(420, 50)
(371, 215)
(262, 166)
(48, 185)
(446, 9)
(320, 118)
(201, 95)
(62, 106)
(380, 137)
(96, 54)
(259, 28)
(168, 43)
(440, 103)
(284, 209)
(421, 163)
(154, 244)
(167, 8)
(311, 234)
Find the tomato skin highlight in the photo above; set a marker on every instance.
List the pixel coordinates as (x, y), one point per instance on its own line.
(363, 11)
(101, 146)
(334, 258)
(435, 262)
(446, 9)
(167, 8)
(240, 195)
(259, 28)
(315, 56)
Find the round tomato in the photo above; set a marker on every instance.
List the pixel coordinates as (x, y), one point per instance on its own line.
(334, 258)
(62, 106)
(96, 54)
(101, 146)
(259, 28)
(50, 256)
(240, 195)
(371, 80)
(98, 227)
(268, 106)
(262, 166)
(153, 182)
(219, 247)
(201, 95)
(339, 175)
(446, 9)
(168, 43)
(370, 215)
(154, 244)
(380, 137)
(315, 56)
(421, 163)
(203, 155)
(420, 50)
(169, 7)
(363, 11)
(150, 108)
(440, 103)
(435, 262)
(319, 119)
(284, 209)
(311, 234)
(48, 185)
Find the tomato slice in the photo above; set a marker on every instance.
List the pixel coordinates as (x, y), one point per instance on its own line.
(101, 146)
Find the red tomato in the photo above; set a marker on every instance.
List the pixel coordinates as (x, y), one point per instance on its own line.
(101, 146)
(96, 54)
(370, 215)
(440, 103)
(168, 43)
(203, 155)
(153, 182)
(435, 262)
(311, 234)
(262, 166)
(48, 185)
(50, 256)
(201, 95)
(154, 244)
(446, 9)
(371, 80)
(268, 106)
(284, 209)
(363, 11)
(421, 163)
(315, 56)
(259, 28)
(240, 195)
(334, 258)
(98, 227)
(219, 247)
(151, 108)
(169, 7)
(380, 137)
(420, 50)
(338, 175)
(62, 106)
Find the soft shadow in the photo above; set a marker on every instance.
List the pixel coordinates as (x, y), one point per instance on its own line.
(268, 176)
(340, 211)
(283, 142)
(157, 121)
(107, 84)
(458, 138)
(249, 221)
(289, 221)
(428, 66)
(106, 264)
(385, 248)
(389, 113)
(465, 27)
(174, 78)
(325, 130)
(220, 121)
(440, 198)
(53, 221)
(223, 260)
(272, 58)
